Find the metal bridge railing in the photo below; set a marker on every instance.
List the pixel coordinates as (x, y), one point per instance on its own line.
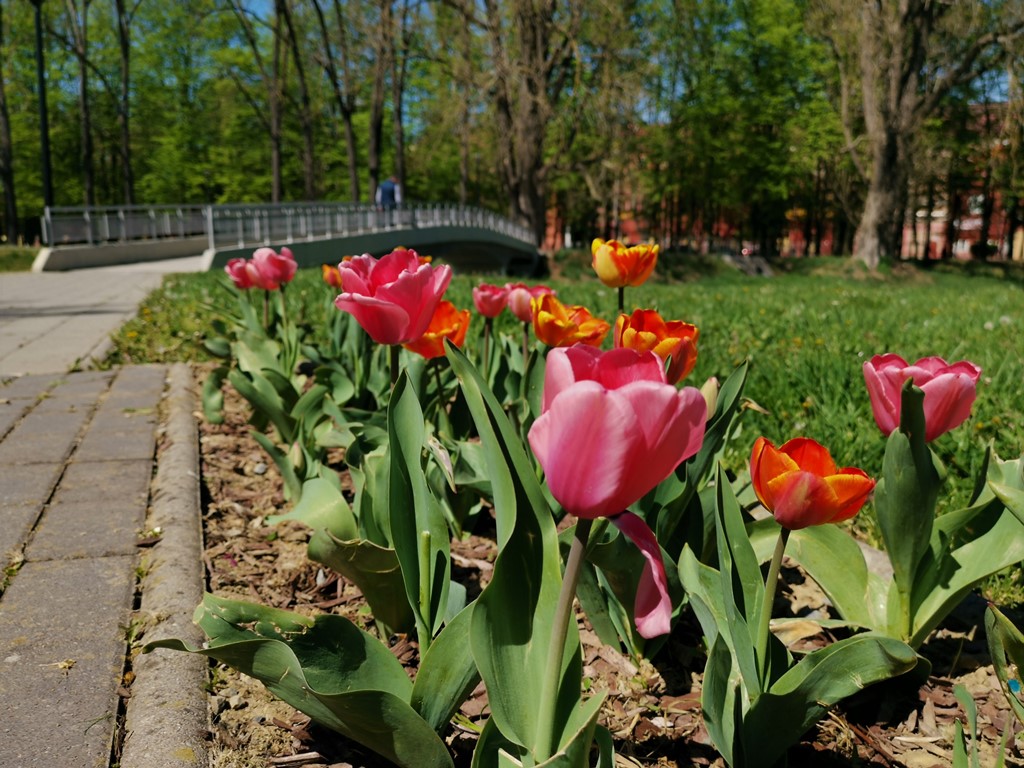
(238, 226)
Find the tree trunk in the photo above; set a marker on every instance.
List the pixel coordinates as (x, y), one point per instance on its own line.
(79, 23)
(305, 108)
(380, 70)
(399, 68)
(876, 237)
(7, 154)
(341, 87)
(124, 20)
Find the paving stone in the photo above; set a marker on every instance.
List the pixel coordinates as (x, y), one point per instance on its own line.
(83, 387)
(28, 484)
(10, 412)
(28, 387)
(24, 489)
(141, 378)
(101, 481)
(42, 437)
(61, 658)
(125, 436)
(87, 529)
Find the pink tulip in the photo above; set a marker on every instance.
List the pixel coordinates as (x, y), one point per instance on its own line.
(611, 429)
(520, 298)
(266, 269)
(275, 269)
(490, 300)
(949, 391)
(393, 298)
(240, 273)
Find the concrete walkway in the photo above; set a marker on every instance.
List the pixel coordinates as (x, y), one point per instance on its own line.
(80, 490)
(54, 322)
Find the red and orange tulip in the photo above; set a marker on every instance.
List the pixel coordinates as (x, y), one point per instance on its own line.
(560, 325)
(646, 331)
(618, 265)
(331, 275)
(801, 486)
(447, 323)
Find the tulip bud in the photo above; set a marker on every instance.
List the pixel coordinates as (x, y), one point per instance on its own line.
(710, 392)
(297, 458)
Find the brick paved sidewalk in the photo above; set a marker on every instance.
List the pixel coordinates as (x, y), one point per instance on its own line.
(76, 459)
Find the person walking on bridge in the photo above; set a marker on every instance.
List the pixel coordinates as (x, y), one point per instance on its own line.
(389, 196)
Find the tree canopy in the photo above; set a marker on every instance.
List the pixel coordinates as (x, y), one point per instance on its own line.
(678, 120)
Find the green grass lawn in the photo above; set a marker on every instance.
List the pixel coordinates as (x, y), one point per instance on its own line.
(16, 258)
(807, 333)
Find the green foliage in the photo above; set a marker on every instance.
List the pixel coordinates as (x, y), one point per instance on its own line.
(936, 560)
(341, 676)
(756, 701)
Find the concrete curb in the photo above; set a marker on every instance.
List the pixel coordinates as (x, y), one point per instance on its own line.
(167, 717)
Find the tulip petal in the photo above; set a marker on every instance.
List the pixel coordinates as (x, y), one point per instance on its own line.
(386, 323)
(947, 403)
(810, 456)
(803, 499)
(767, 462)
(653, 607)
(670, 425)
(581, 442)
(852, 488)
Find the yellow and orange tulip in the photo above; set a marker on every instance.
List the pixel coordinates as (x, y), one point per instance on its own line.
(560, 325)
(646, 331)
(618, 265)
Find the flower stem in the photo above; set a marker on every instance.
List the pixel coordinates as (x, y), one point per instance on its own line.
(622, 299)
(393, 360)
(266, 310)
(526, 343)
(437, 363)
(770, 582)
(424, 597)
(488, 322)
(547, 741)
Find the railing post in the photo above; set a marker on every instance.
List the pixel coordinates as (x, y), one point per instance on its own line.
(88, 226)
(211, 241)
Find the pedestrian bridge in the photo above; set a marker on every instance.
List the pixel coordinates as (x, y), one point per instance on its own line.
(471, 239)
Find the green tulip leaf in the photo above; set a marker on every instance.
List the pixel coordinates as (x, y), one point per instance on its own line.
(265, 401)
(490, 747)
(997, 542)
(905, 498)
(447, 674)
(292, 483)
(322, 507)
(721, 701)
(835, 561)
(418, 529)
(372, 568)
(778, 718)
(512, 618)
(740, 578)
(1005, 647)
(326, 667)
(213, 396)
